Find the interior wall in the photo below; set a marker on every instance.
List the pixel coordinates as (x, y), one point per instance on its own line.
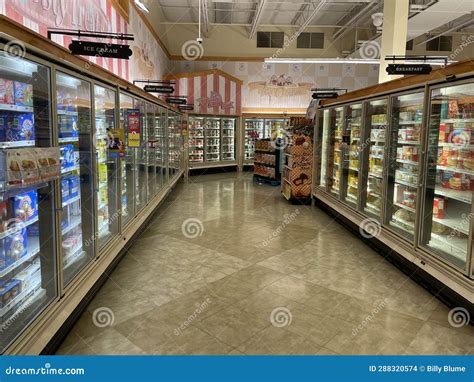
(285, 87)
(148, 59)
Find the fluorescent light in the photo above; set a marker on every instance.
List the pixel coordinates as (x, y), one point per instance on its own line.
(142, 6)
(321, 61)
(343, 61)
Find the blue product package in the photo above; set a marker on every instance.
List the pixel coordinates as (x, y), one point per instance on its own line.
(64, 189)
(33, 230)
(25, 206)
(14, 247)
(4, 118)
(67, 158)
(73, 186)
(21, 128)
(9, 291)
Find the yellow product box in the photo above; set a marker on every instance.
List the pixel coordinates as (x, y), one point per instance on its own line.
(102, 173)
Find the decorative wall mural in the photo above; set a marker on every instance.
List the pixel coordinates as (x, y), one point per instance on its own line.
(213, 101)
(278, 86)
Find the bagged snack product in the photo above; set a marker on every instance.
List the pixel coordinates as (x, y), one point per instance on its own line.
(25, 206)
(23, 94)
(6, 91)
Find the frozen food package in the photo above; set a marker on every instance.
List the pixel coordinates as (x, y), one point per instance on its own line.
(48, 162)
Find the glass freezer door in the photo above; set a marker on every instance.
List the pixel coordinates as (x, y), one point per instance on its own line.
(172, 143)
(127, 164)
(196, 139)
(107, 166)
(337, 129)
(376, 127)
(158, 149)
(253, 130)
(404, 162)
(324, 126)
(447, 209)
(351, 153)
(150, 149)
(212, 134)
(28, 269)
(74, 113)
(228, 139)
(140, 159)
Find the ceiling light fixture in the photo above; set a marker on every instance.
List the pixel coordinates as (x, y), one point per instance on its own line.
(337, 61)
(142, 6)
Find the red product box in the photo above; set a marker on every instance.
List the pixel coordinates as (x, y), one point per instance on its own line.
(439, 208)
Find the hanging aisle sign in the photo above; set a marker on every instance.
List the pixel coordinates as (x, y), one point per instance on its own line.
(408, 69)
(158, 89)
(100, 49)
(133, 123)
(325, 95)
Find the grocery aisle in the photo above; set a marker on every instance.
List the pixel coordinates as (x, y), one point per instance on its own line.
(253, 274)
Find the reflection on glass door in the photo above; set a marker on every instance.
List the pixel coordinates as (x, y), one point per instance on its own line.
(107, 168)
(404, 157)
(351, 153)
(337, 130)
(376, 122)
(450, 174)
(141, 169)
(127, 163)
(74, 115)
(228, 138)
(150, 149)
(158, 148)
(28, 268)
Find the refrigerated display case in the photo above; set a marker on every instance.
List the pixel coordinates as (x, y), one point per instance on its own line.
(228, 139)
(373, 171)
(447, 211)
(335, 164)
(212, 134)
(74, 116)
(127, 164)
(254, 129)
(28, 267)
(150, 150)
(274, 127)
(196, 140)
(212, 141)
(351, 154)
(404, 162)
(107, 166)
(416, 187)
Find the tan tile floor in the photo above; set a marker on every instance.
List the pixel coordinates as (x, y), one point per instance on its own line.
(215, 293)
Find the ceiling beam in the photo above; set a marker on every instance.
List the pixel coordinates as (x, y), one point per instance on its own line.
(464, 24)
(256, 18)
(205, 17)
(308, 14)
(363, 12)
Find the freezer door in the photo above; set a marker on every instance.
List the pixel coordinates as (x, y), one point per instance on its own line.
(74, 116)
(150, 150)
(373, 148)
(350, 151)
(325, 134)
(141, 169)
(448, 195)
(28, 239)
(196, 139)
(127, 164)
(212, 134)
(158, 149)
(228, 139)
(107, 165)
(404, 151)
(336, 156)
